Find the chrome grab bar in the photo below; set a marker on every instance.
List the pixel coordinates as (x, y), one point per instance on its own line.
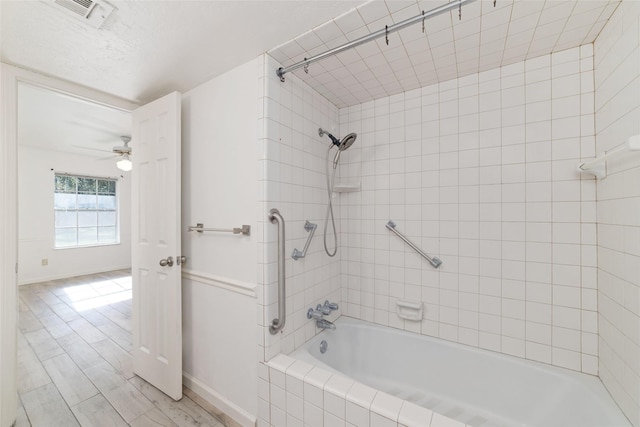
(278, 323)
(245, 230)
(311, 228)
(435, 261)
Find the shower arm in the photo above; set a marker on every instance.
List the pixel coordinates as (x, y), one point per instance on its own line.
(375, 35)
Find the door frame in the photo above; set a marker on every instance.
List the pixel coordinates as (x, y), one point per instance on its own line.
(10, 78)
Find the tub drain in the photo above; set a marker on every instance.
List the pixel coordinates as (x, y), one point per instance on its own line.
(323, 346)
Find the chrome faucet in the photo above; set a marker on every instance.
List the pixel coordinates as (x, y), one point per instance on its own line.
(323, 309)
(316, 314)
(325, 324)
(330, 305)
(319, 313)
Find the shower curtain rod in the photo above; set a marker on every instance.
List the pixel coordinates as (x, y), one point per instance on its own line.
(375, 35)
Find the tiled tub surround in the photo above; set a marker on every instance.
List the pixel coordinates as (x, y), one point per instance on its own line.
(480, 171)
(617, 103)
(305, 395)
(292, 180)
(476, 387)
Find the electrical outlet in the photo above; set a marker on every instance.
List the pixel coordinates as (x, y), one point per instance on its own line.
(45, 261)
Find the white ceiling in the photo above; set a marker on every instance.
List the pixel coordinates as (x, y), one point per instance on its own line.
(149, 48)
(58, 122)
(145, 50)
(487, 37)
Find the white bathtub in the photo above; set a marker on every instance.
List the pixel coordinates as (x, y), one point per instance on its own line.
(477, 387)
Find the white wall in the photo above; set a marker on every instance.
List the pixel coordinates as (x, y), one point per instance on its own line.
(219, 189)
(36, 217)
(617, 104)
(219, 361)
(480, 171)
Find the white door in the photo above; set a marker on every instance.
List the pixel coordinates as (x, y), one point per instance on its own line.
(157, 298)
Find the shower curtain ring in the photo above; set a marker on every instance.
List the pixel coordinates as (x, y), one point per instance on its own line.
(460, 12)
(423, 22)
(306, 67)
(386, 34)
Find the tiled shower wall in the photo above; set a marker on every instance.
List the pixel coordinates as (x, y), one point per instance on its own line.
(480, 171)
(292, 180)
(617, 106)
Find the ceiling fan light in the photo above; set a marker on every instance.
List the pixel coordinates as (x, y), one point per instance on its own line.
(124, 164)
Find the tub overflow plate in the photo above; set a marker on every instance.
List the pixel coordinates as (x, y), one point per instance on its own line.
(323, 346)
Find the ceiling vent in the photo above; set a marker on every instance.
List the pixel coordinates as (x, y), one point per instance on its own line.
(92, 12)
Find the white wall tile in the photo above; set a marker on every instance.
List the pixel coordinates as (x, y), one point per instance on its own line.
(507, 210)
(357, 415)
(615, 80)
(533, 120)
(291, 173)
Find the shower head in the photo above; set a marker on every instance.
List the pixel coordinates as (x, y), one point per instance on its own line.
(342, 144)
(345, 143)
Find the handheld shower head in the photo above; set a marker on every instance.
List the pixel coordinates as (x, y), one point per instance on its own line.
(345, 143)
(342, 144)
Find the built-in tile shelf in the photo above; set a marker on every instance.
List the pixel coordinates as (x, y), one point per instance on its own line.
(347, 187)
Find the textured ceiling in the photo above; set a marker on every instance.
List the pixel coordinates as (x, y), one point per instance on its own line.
(149, 48)
(53, 121)
(486, 37)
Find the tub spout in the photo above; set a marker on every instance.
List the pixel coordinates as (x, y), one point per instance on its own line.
(325, 324)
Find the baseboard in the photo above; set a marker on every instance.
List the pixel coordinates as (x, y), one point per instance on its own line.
(73, 274)
(222, 406)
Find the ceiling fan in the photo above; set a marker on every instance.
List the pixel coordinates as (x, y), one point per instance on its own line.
(124, 151)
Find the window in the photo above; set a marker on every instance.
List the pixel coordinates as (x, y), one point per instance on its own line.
(86, 212)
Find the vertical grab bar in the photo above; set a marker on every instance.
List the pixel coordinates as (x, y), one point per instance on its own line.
(278, 323)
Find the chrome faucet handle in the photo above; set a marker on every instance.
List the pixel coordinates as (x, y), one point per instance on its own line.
(330, 305)
(323, 309)
(325, 324)
(314, 314)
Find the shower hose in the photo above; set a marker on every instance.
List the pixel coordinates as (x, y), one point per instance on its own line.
(330, 184)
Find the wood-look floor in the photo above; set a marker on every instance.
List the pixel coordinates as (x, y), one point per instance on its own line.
(74, 362)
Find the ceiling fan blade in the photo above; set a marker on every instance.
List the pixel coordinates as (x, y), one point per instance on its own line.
(90, 148)
(115, 156)
(122, 150)
(96, 125)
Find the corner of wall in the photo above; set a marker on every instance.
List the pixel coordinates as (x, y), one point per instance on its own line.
(291, 167)
(617, 105)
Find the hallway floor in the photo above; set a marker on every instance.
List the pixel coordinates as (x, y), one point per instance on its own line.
(74, 362)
